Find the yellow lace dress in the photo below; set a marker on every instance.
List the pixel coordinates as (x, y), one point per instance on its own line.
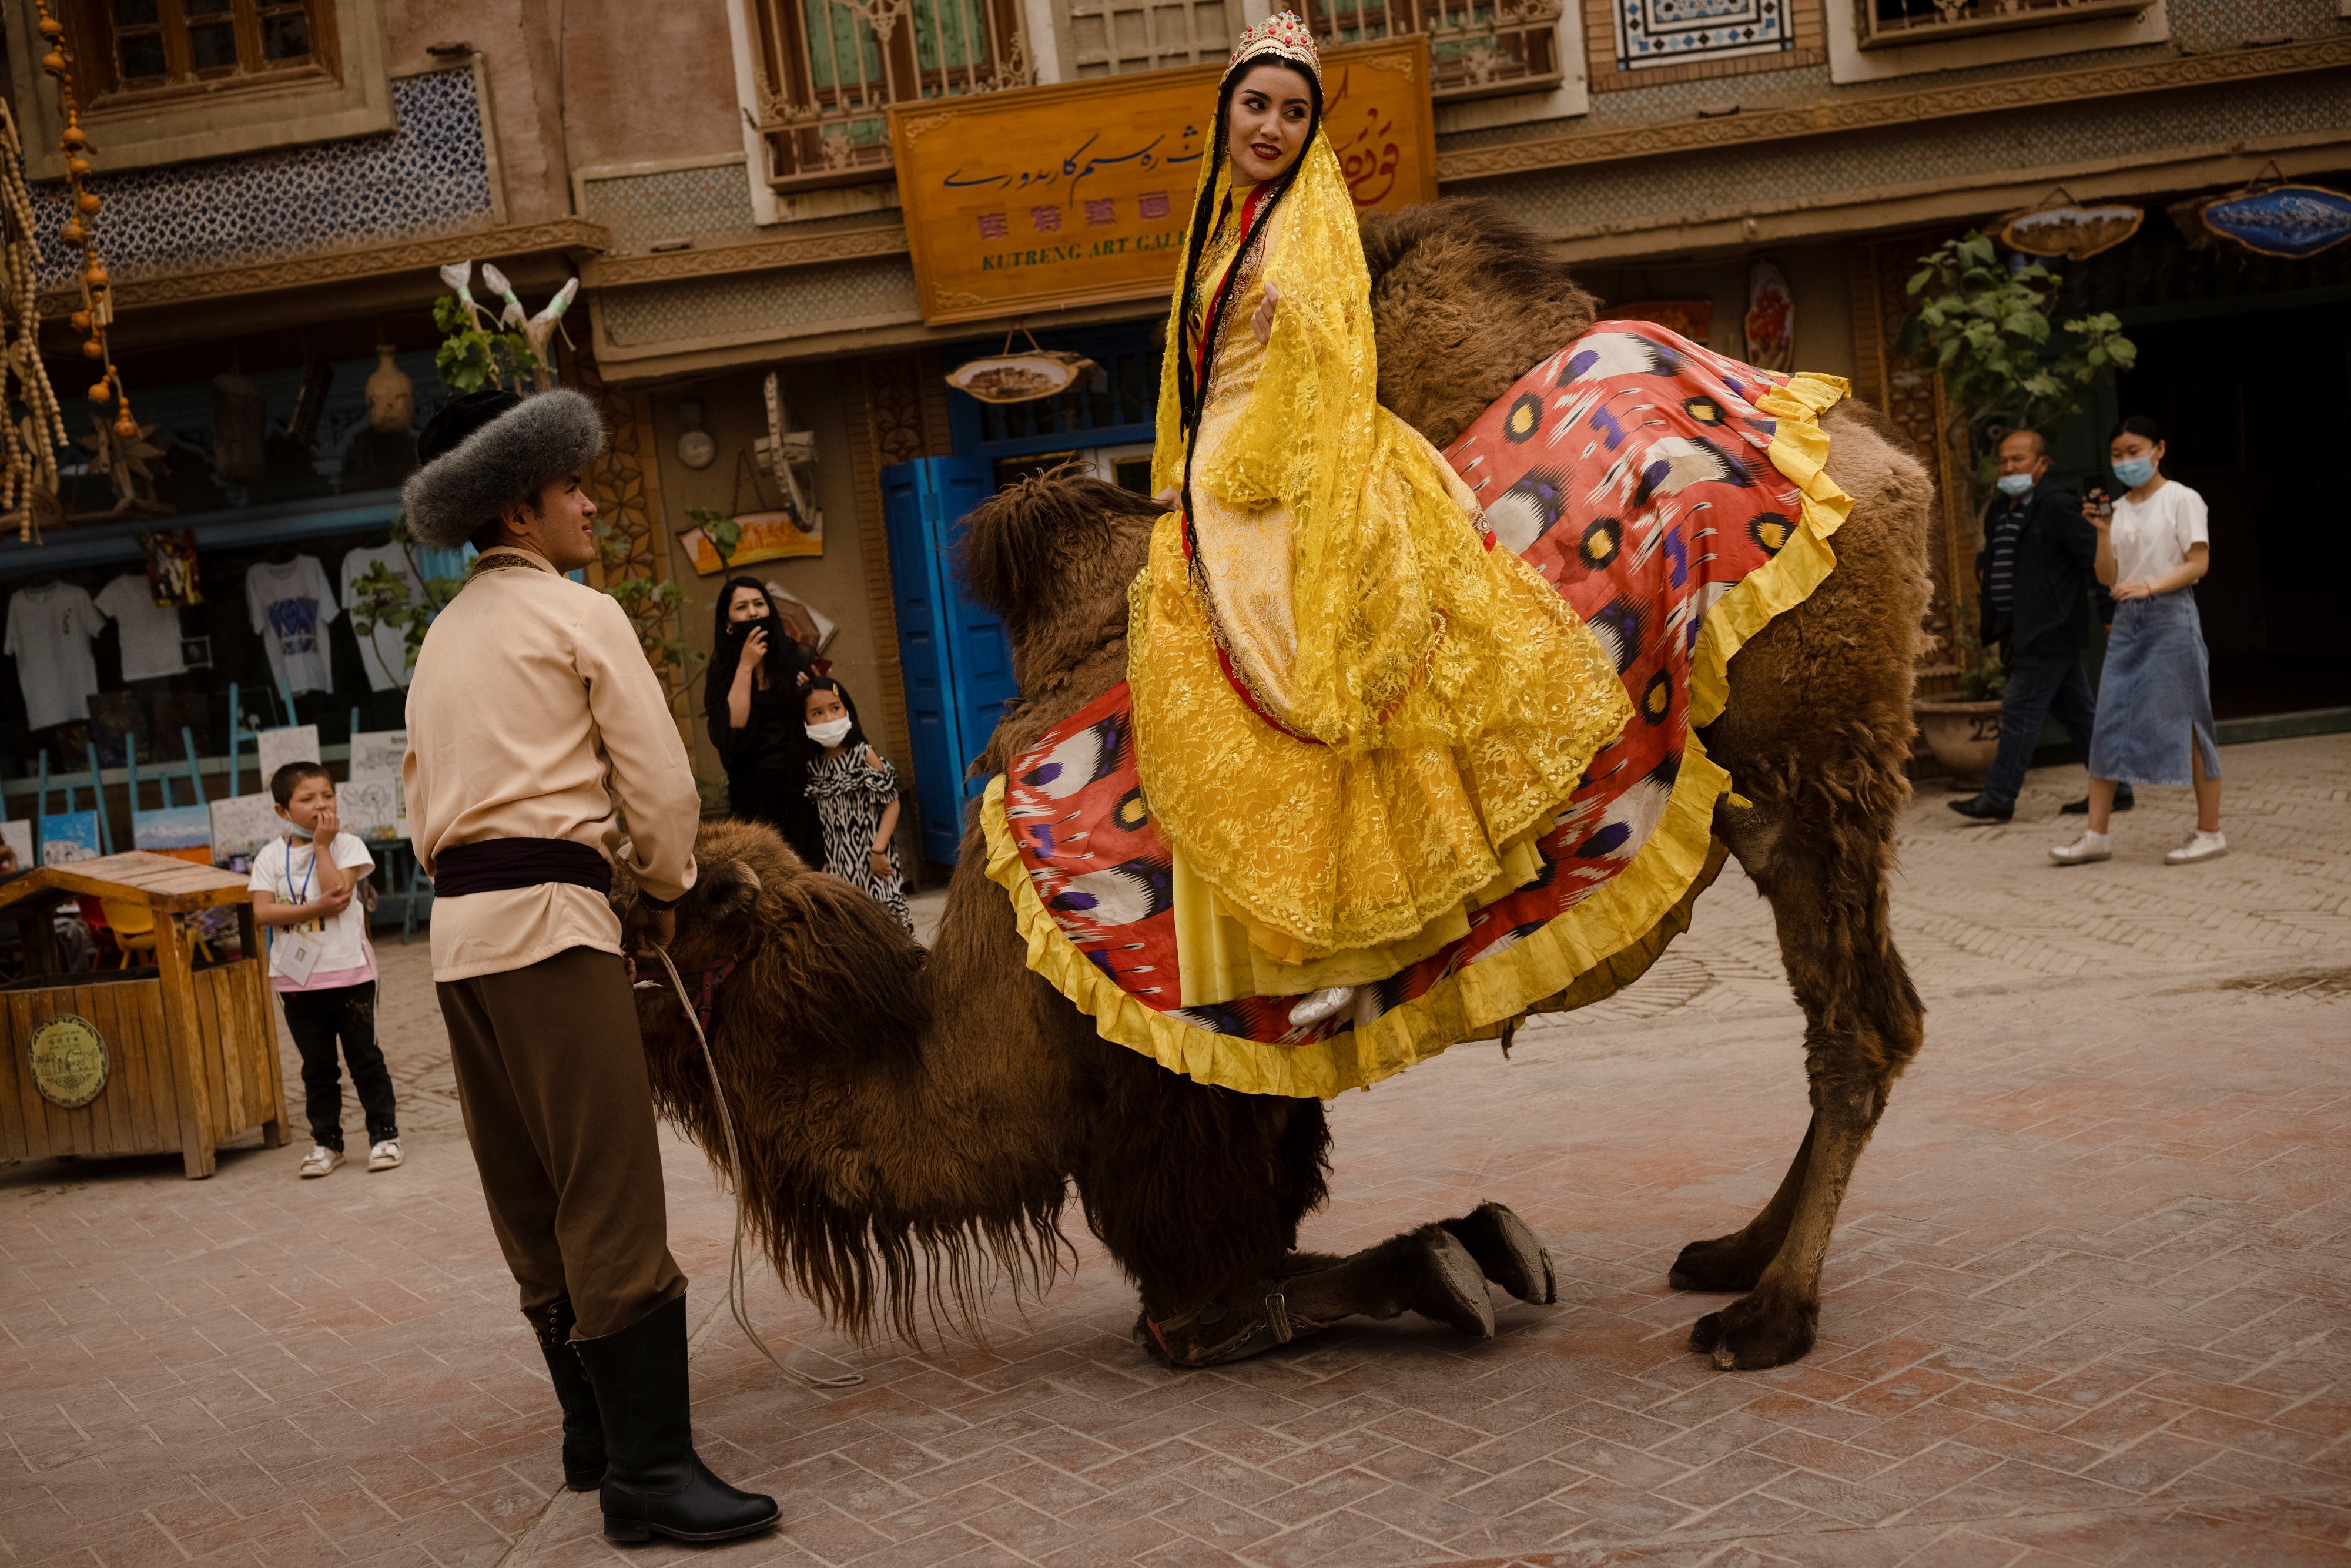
(1353, 715)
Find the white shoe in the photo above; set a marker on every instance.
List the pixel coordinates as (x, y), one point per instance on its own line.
(2083, 850)
(322, 1160)
(1316, 1006)
(2204, 846)
(382, 1156)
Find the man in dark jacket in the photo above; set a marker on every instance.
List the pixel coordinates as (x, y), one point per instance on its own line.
(2035, 579)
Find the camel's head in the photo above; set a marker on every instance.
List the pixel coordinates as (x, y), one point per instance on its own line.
(1465, 300)
(1053, 555)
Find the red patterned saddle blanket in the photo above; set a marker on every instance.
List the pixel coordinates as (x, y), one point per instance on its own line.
(1674, 496)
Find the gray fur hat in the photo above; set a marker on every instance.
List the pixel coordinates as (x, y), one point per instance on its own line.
(488, 450)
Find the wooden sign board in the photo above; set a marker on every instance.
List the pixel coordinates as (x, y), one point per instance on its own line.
(1041, 198)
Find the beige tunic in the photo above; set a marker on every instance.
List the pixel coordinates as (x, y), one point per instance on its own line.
(533, 714)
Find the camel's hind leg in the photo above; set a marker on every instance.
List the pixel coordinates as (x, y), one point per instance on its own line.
(1816, 733)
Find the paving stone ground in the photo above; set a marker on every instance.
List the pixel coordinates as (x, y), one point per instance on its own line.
(2087, 1304)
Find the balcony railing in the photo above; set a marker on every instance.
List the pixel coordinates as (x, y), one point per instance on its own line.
(1477, 47)
(828, 70)
(1896, 24)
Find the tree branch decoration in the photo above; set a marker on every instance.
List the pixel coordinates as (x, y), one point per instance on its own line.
(96, 312)
(29, 486)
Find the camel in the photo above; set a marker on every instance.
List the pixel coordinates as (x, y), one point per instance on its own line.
(910, 1123)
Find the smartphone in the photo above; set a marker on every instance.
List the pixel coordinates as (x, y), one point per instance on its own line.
(2102, 502)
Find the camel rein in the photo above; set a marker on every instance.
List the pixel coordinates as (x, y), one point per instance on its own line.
(699, 1015)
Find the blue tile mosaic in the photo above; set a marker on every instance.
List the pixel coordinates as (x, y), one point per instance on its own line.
(1652, 33)
(429, 174)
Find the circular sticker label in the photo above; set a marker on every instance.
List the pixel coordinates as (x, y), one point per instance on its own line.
(69, 1062)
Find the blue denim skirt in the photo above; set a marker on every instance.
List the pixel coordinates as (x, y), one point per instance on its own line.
(2155, 691)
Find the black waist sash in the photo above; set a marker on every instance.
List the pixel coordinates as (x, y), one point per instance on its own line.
(494, 865)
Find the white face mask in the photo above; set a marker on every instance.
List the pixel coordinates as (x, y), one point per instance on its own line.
(830, 733)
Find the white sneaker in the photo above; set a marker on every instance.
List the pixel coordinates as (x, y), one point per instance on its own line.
(1316, 1006)
(382, 1156)
(2202, 847)
(2089, 847)
(322, 1160)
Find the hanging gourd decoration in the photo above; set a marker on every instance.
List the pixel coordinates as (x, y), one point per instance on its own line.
(28, 481)
(81, 230)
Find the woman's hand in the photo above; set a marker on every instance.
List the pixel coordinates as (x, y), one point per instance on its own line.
(2091, 515)
(2134, 589)
(1167, 500)
(755, 652)
(1262, 322)
(878, 862)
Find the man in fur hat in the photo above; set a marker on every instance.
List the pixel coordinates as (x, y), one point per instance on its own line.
(534, 730)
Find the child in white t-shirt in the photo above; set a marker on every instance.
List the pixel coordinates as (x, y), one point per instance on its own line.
(322, 964)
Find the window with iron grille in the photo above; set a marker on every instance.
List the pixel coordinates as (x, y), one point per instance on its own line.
(147, 49)
(1475, 47)
(1111, 37)
(1893, 24)
(828, 70)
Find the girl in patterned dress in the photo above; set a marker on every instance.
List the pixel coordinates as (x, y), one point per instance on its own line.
(855, 791)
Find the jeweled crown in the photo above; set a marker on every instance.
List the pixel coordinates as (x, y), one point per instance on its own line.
(1285, 36)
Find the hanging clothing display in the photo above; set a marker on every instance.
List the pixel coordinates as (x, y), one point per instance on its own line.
(385, 653)
(150, 632)
(50, 630)
(292, 605)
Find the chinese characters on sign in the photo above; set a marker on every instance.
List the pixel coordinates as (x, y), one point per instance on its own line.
(1040, 198)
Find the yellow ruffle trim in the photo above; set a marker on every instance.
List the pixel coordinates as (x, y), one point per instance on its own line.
(1597, 945)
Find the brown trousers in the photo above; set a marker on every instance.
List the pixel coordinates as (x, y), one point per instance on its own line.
(552, 1077)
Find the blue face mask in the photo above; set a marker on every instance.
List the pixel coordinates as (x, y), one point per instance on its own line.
(2135, 471)
(2014, 483)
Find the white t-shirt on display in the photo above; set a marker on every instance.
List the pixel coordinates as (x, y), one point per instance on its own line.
(2151, 537)
(49, 633)
(150, 632)
(385, 653)
(284, 869)
(292, 606)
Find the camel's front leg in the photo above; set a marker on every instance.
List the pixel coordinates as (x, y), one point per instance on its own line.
(1825, 879)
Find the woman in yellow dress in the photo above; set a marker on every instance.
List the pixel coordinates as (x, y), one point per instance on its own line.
(1353, 715)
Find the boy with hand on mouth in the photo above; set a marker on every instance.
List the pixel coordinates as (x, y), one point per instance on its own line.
(322, 964)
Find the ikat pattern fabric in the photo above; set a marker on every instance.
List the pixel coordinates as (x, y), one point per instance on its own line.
(430, 174)
(1651, 33)
(1632, 470)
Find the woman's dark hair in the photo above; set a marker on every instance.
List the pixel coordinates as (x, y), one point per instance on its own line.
(856, 736)
(784, 660)
(1191, 388)
(2137, 425)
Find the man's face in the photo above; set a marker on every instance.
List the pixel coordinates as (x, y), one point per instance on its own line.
(2020, 453)
(563, 529)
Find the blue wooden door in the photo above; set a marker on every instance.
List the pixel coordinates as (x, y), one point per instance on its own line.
(956, 665)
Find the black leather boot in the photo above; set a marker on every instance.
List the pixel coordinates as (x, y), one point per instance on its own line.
(583, 1428)
(654, 1483)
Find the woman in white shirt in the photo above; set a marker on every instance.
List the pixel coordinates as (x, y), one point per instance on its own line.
(2154, 696)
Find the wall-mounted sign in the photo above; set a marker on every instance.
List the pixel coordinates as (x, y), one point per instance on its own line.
(2070, 232)
(1770, 325)
(2291, 221)
(68, 1061)
(1041, 198)
(1691, 318)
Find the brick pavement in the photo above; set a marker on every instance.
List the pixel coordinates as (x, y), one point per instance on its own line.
(2085, 1306)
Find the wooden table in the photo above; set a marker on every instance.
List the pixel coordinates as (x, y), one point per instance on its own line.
(190, 1053)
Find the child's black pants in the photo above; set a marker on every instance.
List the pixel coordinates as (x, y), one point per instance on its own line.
(316, 1019)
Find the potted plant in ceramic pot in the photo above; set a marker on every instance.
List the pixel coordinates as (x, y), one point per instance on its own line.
(1963, 732)
(1983, 326)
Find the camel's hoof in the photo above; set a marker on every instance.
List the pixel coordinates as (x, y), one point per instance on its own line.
(1453, 1288)
(1722, 1264)
(1509, 1252)
(1754, 1333)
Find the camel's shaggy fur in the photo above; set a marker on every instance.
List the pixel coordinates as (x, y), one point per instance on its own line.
(876, 1130)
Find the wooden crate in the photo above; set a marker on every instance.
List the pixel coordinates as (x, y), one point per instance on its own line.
(192, 1053)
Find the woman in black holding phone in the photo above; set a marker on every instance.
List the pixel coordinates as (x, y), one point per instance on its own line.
(752, 698)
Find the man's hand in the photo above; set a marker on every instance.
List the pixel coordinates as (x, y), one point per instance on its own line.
(1262, 322)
